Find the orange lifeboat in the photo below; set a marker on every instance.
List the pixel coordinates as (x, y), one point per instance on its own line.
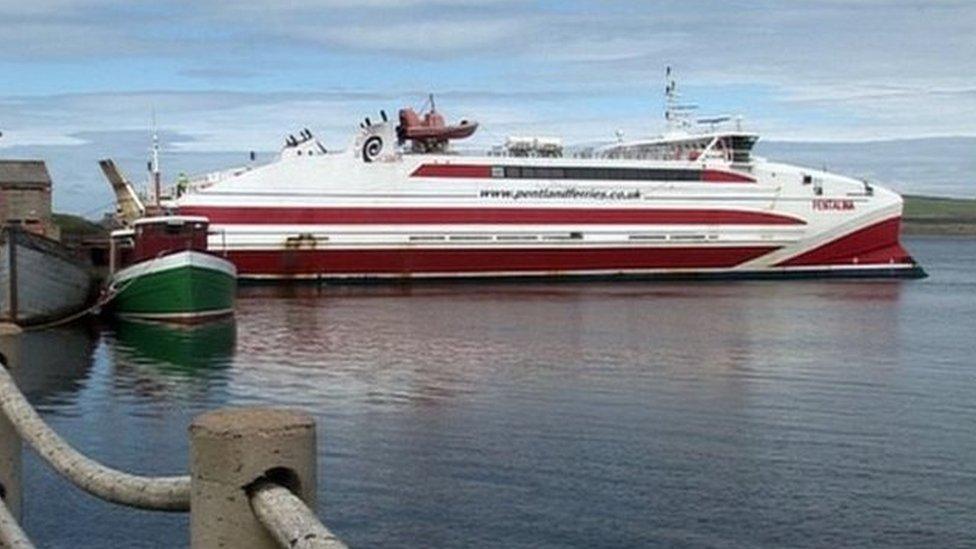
(431, 133)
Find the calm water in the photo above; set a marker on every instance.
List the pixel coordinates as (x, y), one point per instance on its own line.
(803, 414)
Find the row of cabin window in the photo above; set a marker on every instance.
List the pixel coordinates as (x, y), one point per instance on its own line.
(626, 174)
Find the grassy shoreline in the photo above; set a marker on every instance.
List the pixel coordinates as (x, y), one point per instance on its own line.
(930, 215)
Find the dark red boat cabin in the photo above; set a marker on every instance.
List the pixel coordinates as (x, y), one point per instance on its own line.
(154, 237)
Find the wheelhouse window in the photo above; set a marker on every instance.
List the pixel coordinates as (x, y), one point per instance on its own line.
(742, 148)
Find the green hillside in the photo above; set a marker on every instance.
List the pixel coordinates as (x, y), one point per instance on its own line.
(934, 215)
(77, 225)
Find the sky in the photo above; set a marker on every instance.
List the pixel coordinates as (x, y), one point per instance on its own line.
(82, 78)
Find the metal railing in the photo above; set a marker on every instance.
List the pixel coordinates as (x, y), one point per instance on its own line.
(252, 481)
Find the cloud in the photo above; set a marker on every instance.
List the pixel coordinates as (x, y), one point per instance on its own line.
(49, 8)
(220, 121)
(218, 73)
(436, 39)
(50, 40)
(319, 5)
(796, 46)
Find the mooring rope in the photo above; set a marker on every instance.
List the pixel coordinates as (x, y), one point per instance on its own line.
(289, 521)
(12, 536)
(62, 321)
(104, 299)
(159, 493)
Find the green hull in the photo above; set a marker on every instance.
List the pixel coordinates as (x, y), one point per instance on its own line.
(186, 291)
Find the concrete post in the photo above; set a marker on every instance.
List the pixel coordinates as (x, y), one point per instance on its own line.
(10, 444)
(231, 449)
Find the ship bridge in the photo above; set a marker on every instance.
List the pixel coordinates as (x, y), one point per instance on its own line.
(731, 147)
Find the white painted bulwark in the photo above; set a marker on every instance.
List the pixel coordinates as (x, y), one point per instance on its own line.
(180, 260)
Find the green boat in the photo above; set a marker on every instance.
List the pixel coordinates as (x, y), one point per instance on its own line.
(166, 273)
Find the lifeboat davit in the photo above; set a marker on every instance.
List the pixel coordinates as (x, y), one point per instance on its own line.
(431, 132)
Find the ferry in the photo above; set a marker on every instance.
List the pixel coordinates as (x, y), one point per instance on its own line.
(402, 203)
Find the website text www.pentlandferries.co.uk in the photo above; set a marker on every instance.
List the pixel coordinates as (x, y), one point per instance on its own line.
(572, 193)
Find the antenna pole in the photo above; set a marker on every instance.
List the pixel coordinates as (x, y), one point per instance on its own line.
(157, 187)
(669, 99)
(676, 114)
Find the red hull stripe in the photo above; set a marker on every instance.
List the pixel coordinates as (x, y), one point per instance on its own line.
(473, 261)
(875, 244)
(452, 170)
(483, 171)
(434, 216)
(718, 176)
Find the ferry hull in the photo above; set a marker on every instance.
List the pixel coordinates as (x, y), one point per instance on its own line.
(469, 264)
(466, 226)
(873, 251)
(726, 243)
(871, 272)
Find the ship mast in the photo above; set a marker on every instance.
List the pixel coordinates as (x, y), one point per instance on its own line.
(676, 113)
(670, 99)
(154, 164)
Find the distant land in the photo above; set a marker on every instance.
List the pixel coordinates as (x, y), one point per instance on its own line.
(927, 215)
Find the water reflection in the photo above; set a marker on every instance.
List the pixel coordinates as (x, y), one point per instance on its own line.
(50, 365)
(449, 336)
(159, 360)
(191, 350)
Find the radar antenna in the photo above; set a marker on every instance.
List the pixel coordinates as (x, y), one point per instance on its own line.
(677, 114)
